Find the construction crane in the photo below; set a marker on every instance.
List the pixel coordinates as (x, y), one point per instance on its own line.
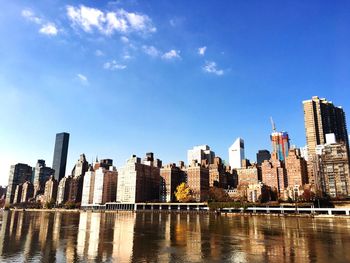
(273, 125)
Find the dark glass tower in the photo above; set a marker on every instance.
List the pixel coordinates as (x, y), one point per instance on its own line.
(60, 155)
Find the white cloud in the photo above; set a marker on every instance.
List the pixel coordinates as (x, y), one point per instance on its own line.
(83, 79)
(28, 14)
(126, 56)
(151, 51)
(211, 67)
(113, 65)
(201, 50)
(107, 23)
(124, 39)
(171, 54)
(99, 53)
(49, 29)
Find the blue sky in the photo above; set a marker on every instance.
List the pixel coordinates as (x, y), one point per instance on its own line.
(128, 77)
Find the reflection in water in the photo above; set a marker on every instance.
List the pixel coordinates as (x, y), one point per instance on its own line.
(170, 237)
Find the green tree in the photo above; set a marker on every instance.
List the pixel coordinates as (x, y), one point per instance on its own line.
(183, 193)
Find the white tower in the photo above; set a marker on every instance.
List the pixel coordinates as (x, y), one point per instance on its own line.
(236, 153)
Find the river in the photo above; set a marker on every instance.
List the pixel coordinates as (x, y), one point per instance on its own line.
(170, 237)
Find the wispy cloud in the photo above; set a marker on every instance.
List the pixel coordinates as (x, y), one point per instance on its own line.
(151, 51)
(29, 14)
(211, 67)
(126, 56)
(83, 79)
(109, 22)
(99, 53)
(49, 29)
(124, 39)
(113, 65)
(201, 50)
(172, 54)
(46, 27)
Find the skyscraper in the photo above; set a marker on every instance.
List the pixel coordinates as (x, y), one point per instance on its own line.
(236, 153)
(321, 117)
(60, 155)
(19, 174)
(280, 144)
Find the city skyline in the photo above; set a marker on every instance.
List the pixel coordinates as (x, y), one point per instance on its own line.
(97, 87)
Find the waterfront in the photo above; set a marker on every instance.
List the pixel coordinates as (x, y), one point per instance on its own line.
(170, 237)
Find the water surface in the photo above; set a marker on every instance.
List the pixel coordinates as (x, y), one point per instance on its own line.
(161, 237)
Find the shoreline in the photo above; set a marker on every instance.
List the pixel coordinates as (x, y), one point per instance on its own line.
(217, 213)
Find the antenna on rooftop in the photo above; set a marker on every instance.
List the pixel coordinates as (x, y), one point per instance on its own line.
(273, 124)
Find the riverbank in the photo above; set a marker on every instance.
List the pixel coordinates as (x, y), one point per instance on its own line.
(218, 213)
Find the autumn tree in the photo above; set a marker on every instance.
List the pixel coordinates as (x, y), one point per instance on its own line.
(183, 193)
(218, 195)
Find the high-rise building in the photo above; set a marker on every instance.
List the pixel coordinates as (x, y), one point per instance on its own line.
(262, 155)
(27, 191)
(77, 181)
(63, 190)
(80, 167)
(322, 117)
(42, 173)
(139, 182)
(248, 175)
(296, 169)
(274, 173)
(200, 153)
(88, 187)
(19, 173)
(332, 170)
(198, 180)
(280, 144)
(60, 155)
(170, 177)
(105, 185)
(217, 173)
(236, 153)
(18, 194)
(51, 188)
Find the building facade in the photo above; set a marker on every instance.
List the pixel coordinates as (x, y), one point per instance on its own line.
(321, 117)
(171, 176)
(198, 180)
(139, 181)
(60, 155)
(280, 144)
(296, 168)
(262, 155)
(63, 190)
(236, 154)
(42, 173)
(27, 191)
(88, 187)
(51, 188)
(200, 153)
(248, 175)
(19, 174)
(274, 173)
(217, 174)
(333, 175)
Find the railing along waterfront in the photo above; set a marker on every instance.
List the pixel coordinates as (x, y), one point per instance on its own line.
(204, 207)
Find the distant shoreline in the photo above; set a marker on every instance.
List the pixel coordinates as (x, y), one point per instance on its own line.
(218, 213)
